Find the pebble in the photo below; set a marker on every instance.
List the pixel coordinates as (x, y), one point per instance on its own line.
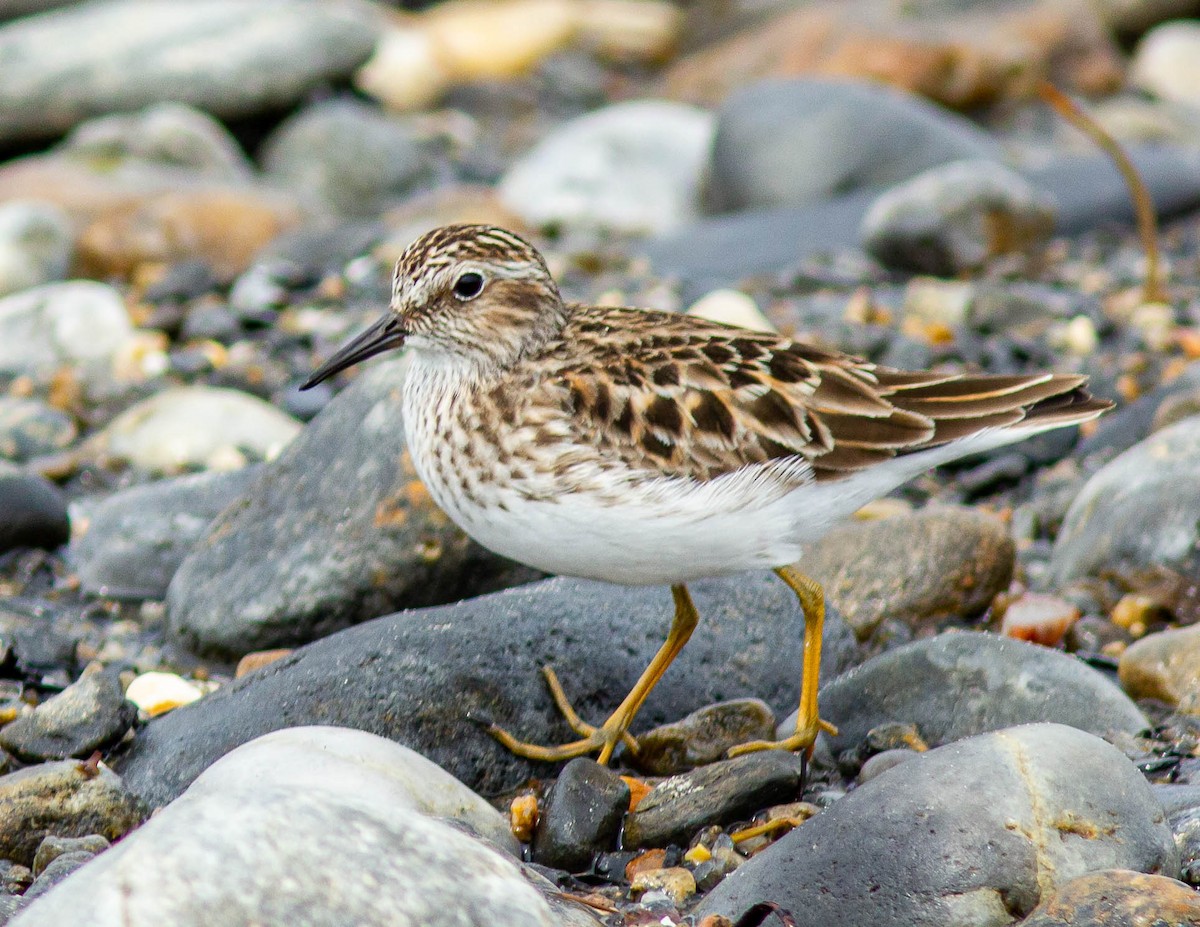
(1117, 898)
(1049, 801)
(1165, 666)
(1166, 62)
(631, 168)
(1038, 617)
(731, 307)
(677, 883)
(882, 762)
(53, 847)
(90, 714)
(197, 427)
(66, 798)
(954, 218)
(257, 659)
(704, 736)
(420, 677)
(36, 244)
(129, 544)
(581, 817)
(156, 693)
(35, 511)
(29, 428)
(715, 794)
(922, 568)
(793, 142)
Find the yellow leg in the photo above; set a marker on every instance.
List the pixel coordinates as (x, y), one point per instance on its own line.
(606, 737)
(808, 722)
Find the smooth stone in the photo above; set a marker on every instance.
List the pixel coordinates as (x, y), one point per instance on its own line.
(338, 529)
(345, 158)
(882, 762)
(33, 511)
(704, 736)
(90, 714)
(29, 428)
(632, 168)
(715, 794)
(1141, 509)
(196, 426)
(793, 142)
(1164, 666)
(1117, 898)
(62, 867)
(254, 838)
(36, 244)
(53, 847)
(420, 677)
(79, 322)
(1184, 814)
(921, 568)
(67, 799)
(954, 218)
(1166, 62)
(581, 817)
(1047, 801)
(141, 52)
(156, 693)
(731, 307)
(130, 544)
(961, 684)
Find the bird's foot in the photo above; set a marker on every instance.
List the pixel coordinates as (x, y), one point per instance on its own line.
(802, 740)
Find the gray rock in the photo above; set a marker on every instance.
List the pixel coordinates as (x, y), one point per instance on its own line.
(1140, 509)
(973, 833)
(62, 866)
(338, 529)
(29, 428)
(1185, 826)
(33, 511)
(920, 568)
(882, 762)
(632, 167)
(345, 158)
(67, 798)
(716, 794)
(953, 218)
(704, 736)
(582, 816)
(130, 544)
(141, 52)
(960, 684)
(90, 714)
(36, 244)
(420, 677)
(795, 141)
(253, 840)
(53, 847)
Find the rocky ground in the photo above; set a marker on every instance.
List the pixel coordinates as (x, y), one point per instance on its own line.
(233, 605)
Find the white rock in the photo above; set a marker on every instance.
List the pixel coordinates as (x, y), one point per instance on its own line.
(158, 693)
(633, 168)
(79, 322)
(197, 426)
(731, 307)
(36, 244)
(1167, 62)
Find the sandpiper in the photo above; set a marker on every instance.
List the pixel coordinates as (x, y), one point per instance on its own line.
(645, 447)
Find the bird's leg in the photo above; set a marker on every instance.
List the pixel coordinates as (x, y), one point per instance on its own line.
(808, 722)
(615, 730)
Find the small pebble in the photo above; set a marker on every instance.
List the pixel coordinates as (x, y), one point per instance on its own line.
(678, 883)
(156, 693)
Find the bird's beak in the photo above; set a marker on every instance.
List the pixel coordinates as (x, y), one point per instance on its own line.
(383, 335)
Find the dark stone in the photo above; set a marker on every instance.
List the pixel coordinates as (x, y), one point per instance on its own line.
(53, 847)
(29, 428)
(704, 736)
(716, 794)
(582, 816)
(61, 867)
(419, 677)
(33, 511)
(90, 714)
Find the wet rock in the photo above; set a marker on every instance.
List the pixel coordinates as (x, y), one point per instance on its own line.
(1165, 666)
(130, 544)
(1117, 898)
(716, 794)
(53, 847)
(1140, 509)
(420, 677)
(197, 426)
(345, 158)
(704, 736)
(90, 714)
(29, 428)
(1049, 802)
(954, 218)
(633, 167)
(792, 142)
(270, 56)
(919, 568)
(581, 817)
(677, 883)
(336, 530)
(291, 803)
(956, 685)
(1165, 62)
(36, 243)
(67, 799)
(33, 511)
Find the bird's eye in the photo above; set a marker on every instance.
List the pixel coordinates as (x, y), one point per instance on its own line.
(469, 285)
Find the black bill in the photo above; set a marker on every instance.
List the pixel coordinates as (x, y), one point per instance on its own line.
(381, 336)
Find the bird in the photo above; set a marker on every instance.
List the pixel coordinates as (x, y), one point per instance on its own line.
(645, 447)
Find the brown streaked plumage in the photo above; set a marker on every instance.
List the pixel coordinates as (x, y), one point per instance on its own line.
(646, 447)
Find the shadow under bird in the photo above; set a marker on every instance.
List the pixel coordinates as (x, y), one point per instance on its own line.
(644, 447)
